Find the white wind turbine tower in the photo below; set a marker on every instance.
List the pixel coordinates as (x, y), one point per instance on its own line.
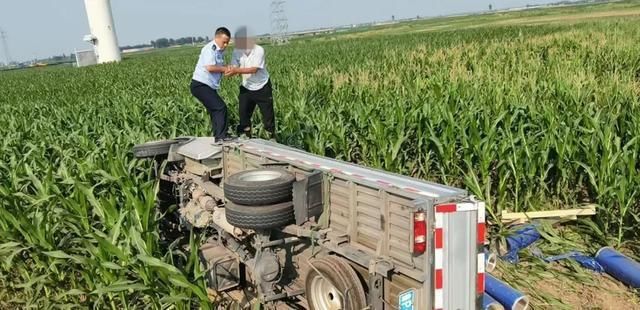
(5, 46)
(103, 32)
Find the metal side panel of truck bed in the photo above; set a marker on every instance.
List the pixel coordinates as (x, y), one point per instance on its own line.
(374, 211)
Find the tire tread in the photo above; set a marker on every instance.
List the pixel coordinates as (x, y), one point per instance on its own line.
(264, 217)
(254, 194)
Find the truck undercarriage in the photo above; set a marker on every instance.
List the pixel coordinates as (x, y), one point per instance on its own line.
(295, 230)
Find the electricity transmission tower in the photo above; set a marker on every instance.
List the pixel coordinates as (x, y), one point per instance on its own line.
(279, 22)
(5, 46)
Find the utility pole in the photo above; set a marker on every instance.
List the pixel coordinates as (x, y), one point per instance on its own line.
(5, 46)
(279, 22)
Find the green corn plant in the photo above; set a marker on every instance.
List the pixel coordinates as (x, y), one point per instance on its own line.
(524, 117)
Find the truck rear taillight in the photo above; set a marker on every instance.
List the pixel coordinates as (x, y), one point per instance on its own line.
(419, 233)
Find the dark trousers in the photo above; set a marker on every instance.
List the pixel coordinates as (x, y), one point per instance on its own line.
(215, 106)
(263, 98)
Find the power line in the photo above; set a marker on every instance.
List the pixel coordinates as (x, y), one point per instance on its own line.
(279, 22)
(5, 46)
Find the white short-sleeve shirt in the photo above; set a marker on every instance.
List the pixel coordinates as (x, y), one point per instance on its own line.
(254, 58)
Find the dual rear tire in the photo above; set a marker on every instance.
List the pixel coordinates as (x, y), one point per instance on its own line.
(259, 218)
(259, 199)
(260, 187)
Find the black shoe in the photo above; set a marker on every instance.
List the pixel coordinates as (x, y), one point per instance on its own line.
(225, 140)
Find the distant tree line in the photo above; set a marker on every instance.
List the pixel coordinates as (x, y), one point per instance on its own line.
(571, 2)
(61, 58)
(165, 42)
(128, 47)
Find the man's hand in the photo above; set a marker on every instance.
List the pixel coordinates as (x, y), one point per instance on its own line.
(231, 71)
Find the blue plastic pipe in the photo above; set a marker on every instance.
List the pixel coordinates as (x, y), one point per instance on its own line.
(505, 294)
(619, 266)
(585, 261)
(488, 303)
(520, 240)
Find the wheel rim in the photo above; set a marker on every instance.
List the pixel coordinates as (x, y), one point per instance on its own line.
(325, 294)
(260, 176)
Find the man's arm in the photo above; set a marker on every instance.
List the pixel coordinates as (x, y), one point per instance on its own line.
(249, 70)
(231, 71)
(216, 69)
(212, 65)
(252, 70)
(235, 64)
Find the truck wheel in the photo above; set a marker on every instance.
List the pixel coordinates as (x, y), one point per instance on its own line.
(331, 283)
(259, 187)
(156, 148)
(259, 218)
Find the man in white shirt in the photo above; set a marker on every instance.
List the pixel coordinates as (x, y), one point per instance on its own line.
(249, 61)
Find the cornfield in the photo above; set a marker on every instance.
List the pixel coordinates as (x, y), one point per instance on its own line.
(526, 118)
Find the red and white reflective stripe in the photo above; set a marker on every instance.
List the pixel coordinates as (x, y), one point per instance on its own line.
(438, 257)
(481, 233)
(482, 238)
(439, 246)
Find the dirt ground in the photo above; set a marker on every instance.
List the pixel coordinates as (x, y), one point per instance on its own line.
(608, 295)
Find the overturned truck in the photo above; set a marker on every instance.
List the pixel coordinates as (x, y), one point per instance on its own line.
(296, 230)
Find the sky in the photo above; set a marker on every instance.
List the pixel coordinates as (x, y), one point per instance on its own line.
(43, 28)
